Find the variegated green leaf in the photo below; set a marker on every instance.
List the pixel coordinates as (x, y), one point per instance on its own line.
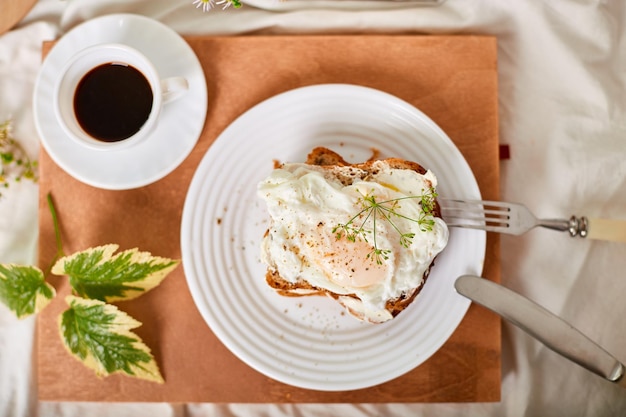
(98, 274)
(99, 335)
(23, 289)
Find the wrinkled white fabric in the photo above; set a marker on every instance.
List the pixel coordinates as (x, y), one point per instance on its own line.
(562, 106)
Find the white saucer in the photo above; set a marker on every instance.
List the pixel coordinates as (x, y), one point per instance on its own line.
(180, 122)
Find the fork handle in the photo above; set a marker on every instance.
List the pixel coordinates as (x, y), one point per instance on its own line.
(607, 229)
(576, 226)
(600, 229)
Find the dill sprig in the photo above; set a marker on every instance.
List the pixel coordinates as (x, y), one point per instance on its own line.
(386, 210)
(15, 163)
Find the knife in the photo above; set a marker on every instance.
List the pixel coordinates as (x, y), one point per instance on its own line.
(551, 330)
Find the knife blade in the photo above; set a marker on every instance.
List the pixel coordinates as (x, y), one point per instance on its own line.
(551, 330)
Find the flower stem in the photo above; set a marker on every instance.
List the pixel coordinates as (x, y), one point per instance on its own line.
(57, 234)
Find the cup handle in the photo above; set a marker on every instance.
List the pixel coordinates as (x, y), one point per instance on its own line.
(173, 88)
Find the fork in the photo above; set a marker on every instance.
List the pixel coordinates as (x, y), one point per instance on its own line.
(501, 217)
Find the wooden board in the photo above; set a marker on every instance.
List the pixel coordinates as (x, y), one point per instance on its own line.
(12, 11)
(453, 79)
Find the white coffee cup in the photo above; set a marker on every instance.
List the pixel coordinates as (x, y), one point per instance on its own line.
(83, 63)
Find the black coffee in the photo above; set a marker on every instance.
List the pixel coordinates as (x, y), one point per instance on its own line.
(112, 102)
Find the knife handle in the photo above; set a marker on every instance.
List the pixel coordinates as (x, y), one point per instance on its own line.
(603, 229)
(543, 325)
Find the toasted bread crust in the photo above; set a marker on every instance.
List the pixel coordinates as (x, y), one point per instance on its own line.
(289, 289)
(327, 158)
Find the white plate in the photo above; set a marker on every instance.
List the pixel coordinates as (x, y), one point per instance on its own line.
(308, 342)
(180, 122)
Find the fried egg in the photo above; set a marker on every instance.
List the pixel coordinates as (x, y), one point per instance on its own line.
(345, 236)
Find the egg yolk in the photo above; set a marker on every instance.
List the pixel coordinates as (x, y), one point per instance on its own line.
(347, 263)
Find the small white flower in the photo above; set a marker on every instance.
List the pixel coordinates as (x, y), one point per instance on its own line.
(205, 4)
(226, 3)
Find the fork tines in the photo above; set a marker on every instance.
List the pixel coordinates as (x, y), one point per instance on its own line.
(475, 214)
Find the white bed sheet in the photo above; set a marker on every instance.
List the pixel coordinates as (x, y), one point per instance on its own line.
(562, 104)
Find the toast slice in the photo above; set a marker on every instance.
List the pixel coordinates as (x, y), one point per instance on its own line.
(327, 160)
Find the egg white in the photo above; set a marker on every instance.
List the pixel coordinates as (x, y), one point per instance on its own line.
(306, 203)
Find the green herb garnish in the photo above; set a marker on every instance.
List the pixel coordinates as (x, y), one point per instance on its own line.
(15, 164)
(99, 274)
(386, 210)
(96, 333)
(24, 290)
(100, 336)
